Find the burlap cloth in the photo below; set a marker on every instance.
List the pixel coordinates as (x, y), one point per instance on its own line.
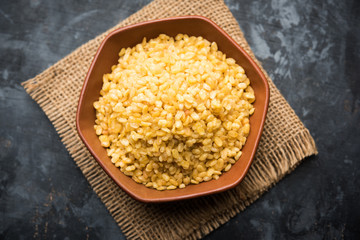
(285, 141)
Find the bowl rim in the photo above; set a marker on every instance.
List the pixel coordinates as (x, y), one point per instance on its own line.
(191, 195)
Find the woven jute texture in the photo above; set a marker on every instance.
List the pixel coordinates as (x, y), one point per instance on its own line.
(285, 141)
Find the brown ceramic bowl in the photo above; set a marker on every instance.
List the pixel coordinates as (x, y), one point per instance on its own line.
(107, 55)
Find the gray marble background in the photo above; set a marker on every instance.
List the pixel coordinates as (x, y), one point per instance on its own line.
(311, 49)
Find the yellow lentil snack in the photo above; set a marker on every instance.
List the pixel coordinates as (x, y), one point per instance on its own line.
(174, 111)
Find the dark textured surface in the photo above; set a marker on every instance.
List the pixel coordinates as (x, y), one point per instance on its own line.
(311, 49)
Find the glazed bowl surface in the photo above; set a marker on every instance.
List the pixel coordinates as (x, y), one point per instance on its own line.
(107, 56)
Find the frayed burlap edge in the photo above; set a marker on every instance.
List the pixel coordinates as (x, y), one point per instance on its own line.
(271, 163)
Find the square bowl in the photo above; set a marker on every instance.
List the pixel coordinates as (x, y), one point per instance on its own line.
(107, 56)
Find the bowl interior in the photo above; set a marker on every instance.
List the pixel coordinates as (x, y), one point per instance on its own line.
(107, 56)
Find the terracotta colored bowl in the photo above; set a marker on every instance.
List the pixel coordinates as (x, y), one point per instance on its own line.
(107, 55)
